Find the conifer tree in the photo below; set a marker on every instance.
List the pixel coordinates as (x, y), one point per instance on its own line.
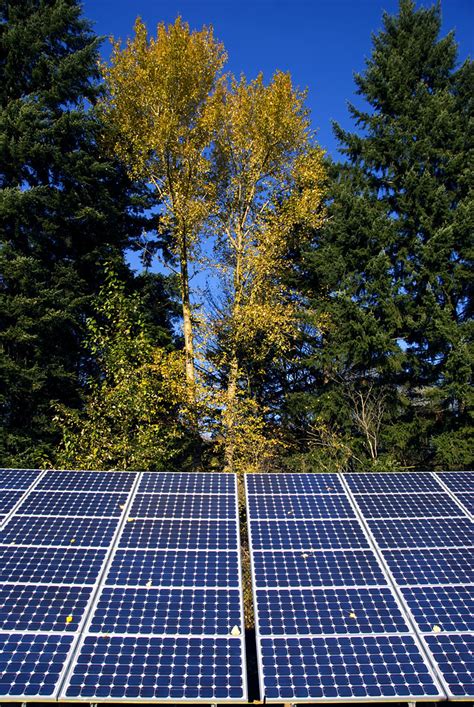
(63, 210)
(392, 262)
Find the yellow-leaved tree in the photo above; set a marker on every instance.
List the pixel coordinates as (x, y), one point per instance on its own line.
(158, 109)
(269, 175)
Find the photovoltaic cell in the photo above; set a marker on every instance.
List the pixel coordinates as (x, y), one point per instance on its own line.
(87, 481)
(328, 611)
(458, 481)
(408, 505)
(211, 506)
(20, 479)
(168, 568)
(167, 611)
(294, 506)
(41, 530)
(307, 535)
(429, 533)
(50, 564)
(467, 499)
(422, 482)
(62, 503)
(454, 655)
(450, 608)
(434, 566)
(370, 667)
(26, 607)
(179, 534)
(322, 568)
(159, 668)
(177, 482)
(293, 483)
(31, 664)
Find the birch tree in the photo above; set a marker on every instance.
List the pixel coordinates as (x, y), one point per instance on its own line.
(158, 109)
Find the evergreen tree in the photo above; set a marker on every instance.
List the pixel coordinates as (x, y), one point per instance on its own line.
(64, 209)
(391, 266)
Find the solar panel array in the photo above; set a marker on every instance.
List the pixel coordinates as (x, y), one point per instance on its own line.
(125, 586)
(426, 539)
(329, 624)
(121, 586)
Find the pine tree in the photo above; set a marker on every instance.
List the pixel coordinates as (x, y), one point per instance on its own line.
(64, 209)
(391, 265)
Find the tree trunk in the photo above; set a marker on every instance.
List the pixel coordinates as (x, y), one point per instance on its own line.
(187, 322)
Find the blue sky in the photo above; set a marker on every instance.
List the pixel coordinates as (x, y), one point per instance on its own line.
(320, 42)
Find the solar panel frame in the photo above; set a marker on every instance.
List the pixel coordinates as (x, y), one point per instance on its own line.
(417, 603)
(434, 692)
(71, 635)
(105, 588)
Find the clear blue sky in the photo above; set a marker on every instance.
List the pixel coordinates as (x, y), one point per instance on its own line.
(320, 42)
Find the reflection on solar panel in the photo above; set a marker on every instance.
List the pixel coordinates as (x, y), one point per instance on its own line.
(329, 626)
(167, 622)
(431, 560)
(53, 551)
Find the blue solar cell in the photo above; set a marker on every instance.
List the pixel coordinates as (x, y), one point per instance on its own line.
(345, 667)
(293, 506)
(18, 478)
(432, 532)
(27, 607)
(408, 505)
(194, 568)
(65, 503)
(294, 483)
(8, 499)
(458, 481)
(154, 505)
(321, 568)
(307, 535)
(87, 481)
(30, 665)
(180, 534)
(328, 611)
(467, 499)
(450, 608)
(179, 482)
(167, 611)
(158, 668)
(454, 655)
(51, 530)
(435, 566)
(392, 483)
(45, 564)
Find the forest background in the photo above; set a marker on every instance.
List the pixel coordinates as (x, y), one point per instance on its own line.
(292, 311)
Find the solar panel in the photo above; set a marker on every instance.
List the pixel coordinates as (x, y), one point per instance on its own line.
(329, 626)
(20, 479)
(8, 499)
(431, 561)
(51, 562)
(87, 481)
(167, 621)
(404, 482)
(467, 499)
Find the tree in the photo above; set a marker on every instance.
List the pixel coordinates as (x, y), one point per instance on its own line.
(268, 176)
(64, 209)
(392, 261)
(157, 108)
(133, 414)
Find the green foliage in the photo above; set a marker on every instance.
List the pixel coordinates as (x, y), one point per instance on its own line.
(391, 265)
(64, 209)
(133, 416)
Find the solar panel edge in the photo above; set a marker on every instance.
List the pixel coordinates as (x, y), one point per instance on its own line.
(439, 680)
(100, 582)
